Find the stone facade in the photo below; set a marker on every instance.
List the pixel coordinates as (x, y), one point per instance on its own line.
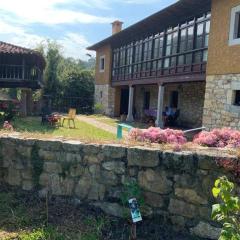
(105, 95)
(175, 185)
(190, 102)
(219, 108)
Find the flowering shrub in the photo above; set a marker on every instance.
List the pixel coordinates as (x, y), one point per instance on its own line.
(7, 126)
(158, 135)
(221, 138)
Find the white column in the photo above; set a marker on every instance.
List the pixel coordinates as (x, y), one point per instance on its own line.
(159, 120)
(130, 105)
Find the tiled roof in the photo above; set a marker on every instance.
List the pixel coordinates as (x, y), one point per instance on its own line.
(10, 48)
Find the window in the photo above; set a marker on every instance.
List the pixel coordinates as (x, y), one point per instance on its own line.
(102, 64)
(234, 35)
(237, 98)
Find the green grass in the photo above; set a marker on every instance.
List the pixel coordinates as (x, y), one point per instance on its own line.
(114, 121)
(83, 131)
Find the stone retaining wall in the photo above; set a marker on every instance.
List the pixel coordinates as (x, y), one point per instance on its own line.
(175, 185)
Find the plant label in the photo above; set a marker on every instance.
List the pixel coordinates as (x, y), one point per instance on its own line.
(135, 212)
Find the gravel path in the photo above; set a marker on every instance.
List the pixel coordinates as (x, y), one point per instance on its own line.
(101, 125)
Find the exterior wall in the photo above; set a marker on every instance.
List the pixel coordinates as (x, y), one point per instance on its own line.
(222, 58)
(104, 93)
(219, 110)
(191, 101)
(223, 70)
(176, 185)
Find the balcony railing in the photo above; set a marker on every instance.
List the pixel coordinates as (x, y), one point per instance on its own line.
(20, 73)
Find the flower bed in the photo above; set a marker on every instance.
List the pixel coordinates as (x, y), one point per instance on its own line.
(221, 138)
(157, 135)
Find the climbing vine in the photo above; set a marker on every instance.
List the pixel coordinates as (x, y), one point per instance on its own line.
(37, 164)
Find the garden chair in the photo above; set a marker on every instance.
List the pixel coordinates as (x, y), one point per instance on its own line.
(70, 117)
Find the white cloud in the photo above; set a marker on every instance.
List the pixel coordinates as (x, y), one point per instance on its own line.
(48, 12)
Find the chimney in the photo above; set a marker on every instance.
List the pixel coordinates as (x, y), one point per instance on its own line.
(116, 27)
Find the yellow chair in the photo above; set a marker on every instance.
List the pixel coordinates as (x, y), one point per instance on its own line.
(70, 117)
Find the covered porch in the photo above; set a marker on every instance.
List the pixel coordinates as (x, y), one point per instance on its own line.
(143, 102)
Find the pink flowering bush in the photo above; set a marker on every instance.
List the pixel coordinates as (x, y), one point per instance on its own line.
(221, 138)
(158, 135)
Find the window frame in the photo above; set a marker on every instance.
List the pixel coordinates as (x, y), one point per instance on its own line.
(102, 57)
(234, 25)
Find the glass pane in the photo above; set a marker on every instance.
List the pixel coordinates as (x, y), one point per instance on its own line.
(206, 41)
(175, 38)
(205, 56)
(238, 27)
(159, 64)
(207, 26)
(198, 57)
(154, 65)
(200, 29)
(182, 46)
(188, 58)
(169, 39)
(190, 44)
(181, 60)
(173, 61)
(166, 63)
(190, 32)
(168, 50)
(199, 43)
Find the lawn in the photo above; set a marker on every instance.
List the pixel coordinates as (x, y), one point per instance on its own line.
(83, 130)
(114, 121)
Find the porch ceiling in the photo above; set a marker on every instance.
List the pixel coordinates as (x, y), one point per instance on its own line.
(163, 80)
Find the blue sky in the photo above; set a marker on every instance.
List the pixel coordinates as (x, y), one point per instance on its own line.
(75, 24)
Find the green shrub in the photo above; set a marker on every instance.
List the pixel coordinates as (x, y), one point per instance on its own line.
(227, 212)
(98, 108)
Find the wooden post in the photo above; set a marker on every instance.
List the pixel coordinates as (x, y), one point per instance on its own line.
(130, 105)
(23, 68)
(159, 120)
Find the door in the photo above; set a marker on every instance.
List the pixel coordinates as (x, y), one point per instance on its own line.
(124, 101)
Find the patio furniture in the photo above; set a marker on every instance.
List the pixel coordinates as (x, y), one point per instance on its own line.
(120, 126)
(54, 119)
(70, 117)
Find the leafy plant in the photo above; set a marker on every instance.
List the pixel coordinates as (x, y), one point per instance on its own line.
(228, 211)
(98, 108)
(131, 189)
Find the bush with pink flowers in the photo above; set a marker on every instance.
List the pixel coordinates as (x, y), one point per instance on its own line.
(158, 135)
(221, 138)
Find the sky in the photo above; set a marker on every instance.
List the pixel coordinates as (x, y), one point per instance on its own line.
(74, 24)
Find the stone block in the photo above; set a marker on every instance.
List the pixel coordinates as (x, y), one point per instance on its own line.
(142, 157)
(48, 155)
(27, 185)
(182, 208)
(61, 186)
(190, 195)
(205, 230)
(109, 178)
(112, 209)
(155, 181)
(13, 177)
(97, 191)
(73, 157)
(52, 167)
(153, 199)
(116, 166)
(114, 152)
(76, 170)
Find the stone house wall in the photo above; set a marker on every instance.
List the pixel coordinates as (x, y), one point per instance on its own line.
(175, 185)
(219, 108)
(105, 95)
(191, 101)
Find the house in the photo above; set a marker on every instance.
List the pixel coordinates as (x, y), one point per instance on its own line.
(21, 68)
(185, 56)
